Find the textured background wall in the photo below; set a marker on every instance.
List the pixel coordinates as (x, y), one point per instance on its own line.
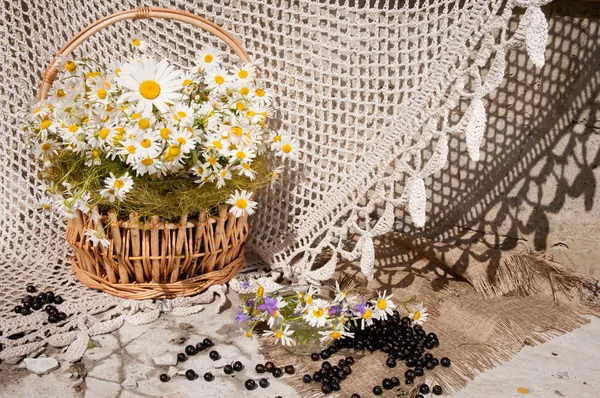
(535, 186)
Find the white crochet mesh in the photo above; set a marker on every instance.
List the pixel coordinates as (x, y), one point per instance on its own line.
(366, 87)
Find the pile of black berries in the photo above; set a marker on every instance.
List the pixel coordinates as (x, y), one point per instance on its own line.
(330, 376)
(43, 301)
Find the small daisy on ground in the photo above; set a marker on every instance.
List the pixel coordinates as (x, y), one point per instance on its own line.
(241, 203)
(383, 306)
(419, 314)
(365, 314)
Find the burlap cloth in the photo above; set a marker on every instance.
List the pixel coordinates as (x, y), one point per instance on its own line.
(485, 305)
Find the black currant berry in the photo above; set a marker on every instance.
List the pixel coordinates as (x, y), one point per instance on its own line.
(26, 311)
(377, 390)
(347, 370)
(317, 377)
(387, 384)
(237, 366)
(390, 363)
(214, 355)
(277, 372)
(200, 347)
(395, 381)
(342, 363)
(58, 300)
(208, 342)
(314, 356)
(306, 378)
(260, 368)
(50, 297)
(264, 383)
(350, 361)
(437, 390)
(164, 377)
(445, 362)
(419, 396)
(269, 366)
(209, 376)
(325, 354)
(290, 370)
(424, 389)
(429, 365)
(409, 374)
(30, 289)
(326, 389)
(18, 309)
(190, 374)
(335, 386)
(61, 316)
(409, 381)
(27, 300)
(41, 297)
(355, 395)
(52, 318)
(181, 357)
(419, 372)
(191, 350)
(228, 369)
(250, 384)
(332, 350)
(326, 365)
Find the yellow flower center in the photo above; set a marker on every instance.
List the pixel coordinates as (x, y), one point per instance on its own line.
(143, 123)
(277, 138)
(181, 115)
(367, 314)
(318, 313)
(119, 184)
(219, 79)
(335, 335)
(181, 140)
(286, 148)
(246, 166)
(165, 133)
(45, 124)
(237, 131)
(417, 315)
(381, 304)
(309, 300)
(131, 149)
(218, 144)
(73, 128)
(45, 206)
(260, 292)
(136, 42)
(240, 154)
(147, 162)
(149, 89)
(239, 106)
(279, 334)
(212, 160)
(260, 92)
(104, 133)
(136, 116)
(60, 93)
(275, 314)
(70, 66)
(146, 143)
(174, 150)
(243, 74)
(118, 71)
(244, 90)
(95, 153)
(46, 146)
(186, 82)
(208, 58)
(101, 93)
(241, 203)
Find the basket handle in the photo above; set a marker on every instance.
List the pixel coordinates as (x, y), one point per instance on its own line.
(139, 13)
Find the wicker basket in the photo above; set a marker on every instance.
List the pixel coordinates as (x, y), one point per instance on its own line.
(155, 259)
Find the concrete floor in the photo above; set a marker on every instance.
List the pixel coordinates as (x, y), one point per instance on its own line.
(120, 365)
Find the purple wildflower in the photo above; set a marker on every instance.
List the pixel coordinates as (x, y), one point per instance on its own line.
(242, 317)
(245, 285)
(362, 307)
(335, 310)
(271, 305)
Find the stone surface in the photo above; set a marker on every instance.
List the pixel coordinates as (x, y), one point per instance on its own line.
(166, 359)
(129, 384)
(96, 388)
(41, 366)
(97, 354)
(107, 369)
(107, 341)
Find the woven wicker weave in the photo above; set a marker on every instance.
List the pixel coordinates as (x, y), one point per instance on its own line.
(149, 260)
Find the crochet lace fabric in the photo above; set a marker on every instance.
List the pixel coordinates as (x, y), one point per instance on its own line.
(366, 87)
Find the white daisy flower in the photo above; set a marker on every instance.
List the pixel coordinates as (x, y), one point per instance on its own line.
(244, 169)
(93, 157)
(182, 114)
(117, 188)
(332, 335)
(184, 139)
(244, 75)
(150, 84)
(149, 165)
(223, 176)
(383, 306)
(67, 64)
(419, 314)
(100, 90)
(262, 97)
(244, 155)
(45, 203)
(287, 147)
(316, 314)
(241, 203)
(281, 335)
(138, 43)
(209, 58)
(97, 238)
(217, 79)
(47, 149)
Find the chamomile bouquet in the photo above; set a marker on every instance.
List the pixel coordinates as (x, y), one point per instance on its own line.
(141, 135)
